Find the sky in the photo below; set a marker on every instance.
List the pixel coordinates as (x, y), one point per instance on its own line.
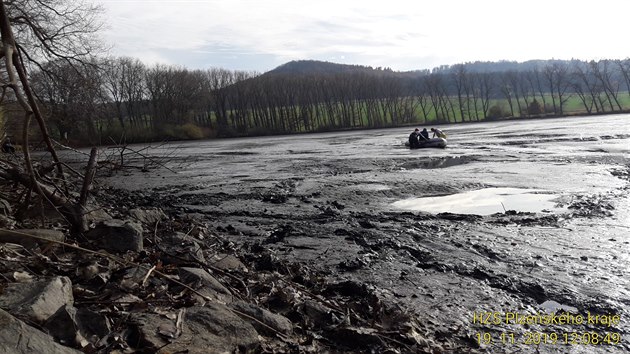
(403, 35)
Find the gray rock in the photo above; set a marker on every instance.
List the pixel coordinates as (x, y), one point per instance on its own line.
(275, 321)
(211, 329)
(181, 249)
(28, 242)
(96, 214)
(18, 338)
(117, 235)
(37, 300)
(205, 283)
(229, 263)
(77, 327)
(321, 315)
(147, 217)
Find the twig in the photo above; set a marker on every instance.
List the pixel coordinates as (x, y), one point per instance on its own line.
(180, 322)
(146, 277)
(89, 176)
(112, 257)
(128, 263)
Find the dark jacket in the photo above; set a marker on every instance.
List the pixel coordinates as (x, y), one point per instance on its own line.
(413, 140)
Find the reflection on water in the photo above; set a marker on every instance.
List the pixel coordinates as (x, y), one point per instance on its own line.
(483, 202)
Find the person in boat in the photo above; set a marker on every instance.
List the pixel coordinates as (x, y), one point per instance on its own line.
(7, 146)
(437, 132)
(413, 139)
(424, 134)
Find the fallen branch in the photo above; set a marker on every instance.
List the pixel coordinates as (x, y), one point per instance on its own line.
(129, 263)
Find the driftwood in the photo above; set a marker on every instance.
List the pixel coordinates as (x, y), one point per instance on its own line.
(73, 212)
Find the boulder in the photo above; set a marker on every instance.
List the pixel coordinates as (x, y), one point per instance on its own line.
(28, 242)
(39, 300)
(147, 217)
(117, 235)
(211, 329)
(277, 322)
(96, 214)
(19, 338)
(205, 283)
(181, 249)
(229, 263)
(77, 327)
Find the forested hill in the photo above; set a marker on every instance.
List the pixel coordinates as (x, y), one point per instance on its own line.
(316, 67)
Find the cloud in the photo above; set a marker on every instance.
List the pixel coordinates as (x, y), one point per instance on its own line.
(265, 34)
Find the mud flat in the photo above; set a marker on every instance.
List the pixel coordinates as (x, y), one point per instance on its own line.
(483, 242)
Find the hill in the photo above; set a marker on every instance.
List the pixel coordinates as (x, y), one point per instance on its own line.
(316, 67)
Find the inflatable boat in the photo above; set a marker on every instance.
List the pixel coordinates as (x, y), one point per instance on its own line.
(431, 143)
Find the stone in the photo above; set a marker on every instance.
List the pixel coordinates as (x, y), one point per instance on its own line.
(117, 235)
(28, 242)
(96, 215)
(38, 300)
(16, 337)
(229, 263)
(275, 321)
(77, 327)
(205, 283)
(212, 329)
(181, 249)
(147, 217)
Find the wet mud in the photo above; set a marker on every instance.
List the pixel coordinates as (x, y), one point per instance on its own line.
(326, 202)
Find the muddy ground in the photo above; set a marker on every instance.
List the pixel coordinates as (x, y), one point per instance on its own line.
(325, 201)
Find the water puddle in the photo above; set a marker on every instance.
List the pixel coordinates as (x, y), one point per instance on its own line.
(484, 202)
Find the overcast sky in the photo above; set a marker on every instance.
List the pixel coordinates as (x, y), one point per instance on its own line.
(403, 35)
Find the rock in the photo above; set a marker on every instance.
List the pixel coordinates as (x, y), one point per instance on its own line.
(12, 237)
(319, 314)
(182, 249)
(275, 321)
(18, 338)
(37, 300)
(96, 214)
(117, 236)
(132, 277)
(147, 217)
(205, 283)
(205, 330)
(77, 327)
(229, 263)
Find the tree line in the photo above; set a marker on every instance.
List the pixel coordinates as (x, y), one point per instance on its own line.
(104, 100)
(110, 98)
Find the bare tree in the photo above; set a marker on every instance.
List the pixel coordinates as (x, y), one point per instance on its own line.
(45, 29)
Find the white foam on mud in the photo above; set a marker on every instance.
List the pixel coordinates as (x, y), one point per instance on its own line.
(484, 202)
